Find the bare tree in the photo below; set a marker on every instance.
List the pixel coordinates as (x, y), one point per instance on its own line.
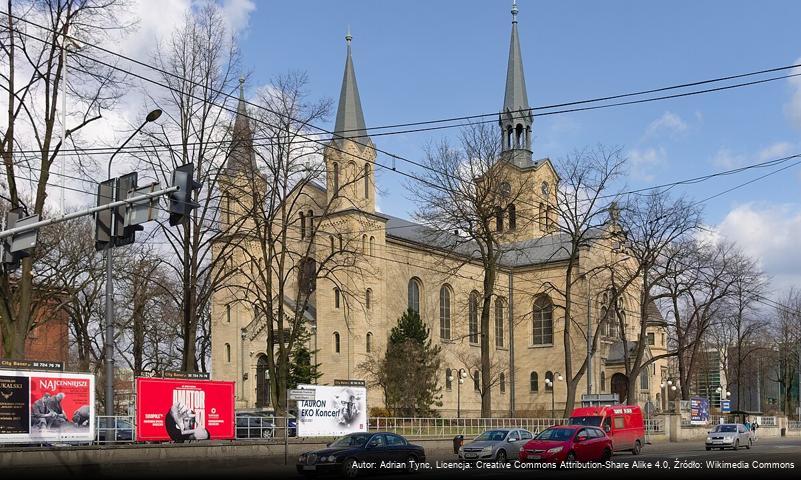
(786, 338)
(33, 42)
(584, 199)
(199, 64)
(466, 189)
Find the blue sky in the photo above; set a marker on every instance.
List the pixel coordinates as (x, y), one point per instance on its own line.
(419, 60)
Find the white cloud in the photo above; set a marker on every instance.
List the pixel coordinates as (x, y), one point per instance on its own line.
(645, 163)
(726, 159)
(768, 233)
(237, 14)
(793, 107)
(777, 150)
(668, 123)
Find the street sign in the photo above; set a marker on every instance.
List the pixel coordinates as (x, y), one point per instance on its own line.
(349, 383)
(31, 365)
(144, 211)
(300, 395)
(725, 406)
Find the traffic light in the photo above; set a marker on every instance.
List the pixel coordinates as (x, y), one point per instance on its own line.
(124, 235)
(15, 247)
(181, 203)
(104, 218)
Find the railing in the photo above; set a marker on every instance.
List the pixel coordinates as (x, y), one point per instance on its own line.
(449, 427)
(111, 430)
(794, 424)
(767, 422)
(655, 425)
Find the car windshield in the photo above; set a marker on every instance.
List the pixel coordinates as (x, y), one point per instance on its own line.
(354, 440)
(492, 436)
(595, 421)
(726, 428)
(559, 434)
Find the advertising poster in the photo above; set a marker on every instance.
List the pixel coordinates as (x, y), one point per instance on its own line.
(46, 407)
(335, 411)
(699, 411)
(184, 409)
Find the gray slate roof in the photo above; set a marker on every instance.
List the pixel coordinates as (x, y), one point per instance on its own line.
(550, 248)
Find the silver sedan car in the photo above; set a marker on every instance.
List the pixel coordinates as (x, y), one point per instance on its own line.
(729, 435)
(500, 445)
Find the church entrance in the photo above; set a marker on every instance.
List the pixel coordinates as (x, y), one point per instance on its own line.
(262, 382)
(620, 385)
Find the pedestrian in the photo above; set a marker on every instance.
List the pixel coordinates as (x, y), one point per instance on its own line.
(754, 427)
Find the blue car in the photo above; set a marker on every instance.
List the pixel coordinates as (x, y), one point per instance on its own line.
(358, 452)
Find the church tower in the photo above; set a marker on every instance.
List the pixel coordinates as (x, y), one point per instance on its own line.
(350, 156)
(516, 118)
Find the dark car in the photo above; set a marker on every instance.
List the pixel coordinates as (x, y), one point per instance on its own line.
(254, 425)
(568, 443)
(362, 451)
(111, 429)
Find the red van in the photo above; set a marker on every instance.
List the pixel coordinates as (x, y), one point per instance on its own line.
(622, 423)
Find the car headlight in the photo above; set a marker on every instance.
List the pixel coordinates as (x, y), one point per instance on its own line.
(332, 458)
(555, 450)
(728, 439)
(486, 450)
(708, 439)
(302, 458)
(461, 449)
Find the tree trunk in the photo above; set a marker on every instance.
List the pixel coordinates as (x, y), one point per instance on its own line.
(486, 372)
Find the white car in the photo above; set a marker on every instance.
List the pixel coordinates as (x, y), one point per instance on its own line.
(729, 435)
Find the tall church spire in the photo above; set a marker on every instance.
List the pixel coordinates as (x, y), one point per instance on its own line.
(350, 118)
(242, 157)
(516, 118)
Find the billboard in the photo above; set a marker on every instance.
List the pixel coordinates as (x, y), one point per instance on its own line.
(184, 409)
(335, 411)
(46, 407)
(699, 411)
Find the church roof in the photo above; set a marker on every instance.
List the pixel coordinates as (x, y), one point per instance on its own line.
(350, 118)
(549, 248)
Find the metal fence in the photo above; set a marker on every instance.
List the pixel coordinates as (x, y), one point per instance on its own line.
(794, 424)
(449, 427)
(655, 425)
(110, 430)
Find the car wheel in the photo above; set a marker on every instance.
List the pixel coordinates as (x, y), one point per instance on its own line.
(350, 468)
(409, 461)
(501, 456)
(750, 444)
(637, 448)
(606, 455)
(708, 448)
(571, 457)
(736, 444)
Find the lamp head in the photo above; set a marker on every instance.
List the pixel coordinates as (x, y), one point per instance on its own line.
(153, 116)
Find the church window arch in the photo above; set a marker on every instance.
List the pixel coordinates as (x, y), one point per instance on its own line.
(366, 180)
(335, 168)
(543, 321)
(512, 216)
(336, 342)
(414, 288)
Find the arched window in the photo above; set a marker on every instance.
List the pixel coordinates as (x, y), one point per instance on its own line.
(336, 297)
(226, 208)
(336, 342)
(302, 226)
(543, 321)
(368, 299)
(414, 295)
(369, 342)
(310, 216)
(498, 219)
(336, 178)
(366, 180)
(228, 352)
(228, 313)
(519, 135)
(333, 249)
(372, 246)
(549, 382)
(644, 379)
(500, 310)
(445, 312)
(509, 131)
(448, 379)
(542, 215)
(512, 216)
(603, 382)
(534, 381)
(476, 381)
(502, 381)
(472, 317)
(341, 244)
(364, 243)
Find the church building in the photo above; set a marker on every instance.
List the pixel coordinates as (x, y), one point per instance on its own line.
(400, 267)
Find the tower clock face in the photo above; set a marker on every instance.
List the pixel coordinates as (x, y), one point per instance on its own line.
(506, 189)
(545, 189)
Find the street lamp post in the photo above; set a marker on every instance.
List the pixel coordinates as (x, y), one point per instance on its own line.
(152, 116)
(667, 387)
(549, 382)
(462, 375)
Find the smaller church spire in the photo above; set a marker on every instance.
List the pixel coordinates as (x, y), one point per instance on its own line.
(350, 118)
(516, 119)
(241, 158)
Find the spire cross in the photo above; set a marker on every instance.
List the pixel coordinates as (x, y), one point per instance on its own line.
(242, 87)
(348, 36)
(514, 11)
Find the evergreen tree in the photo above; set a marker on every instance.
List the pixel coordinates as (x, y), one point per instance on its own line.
(301, 369)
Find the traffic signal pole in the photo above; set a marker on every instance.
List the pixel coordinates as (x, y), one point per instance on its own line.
(89, 211)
